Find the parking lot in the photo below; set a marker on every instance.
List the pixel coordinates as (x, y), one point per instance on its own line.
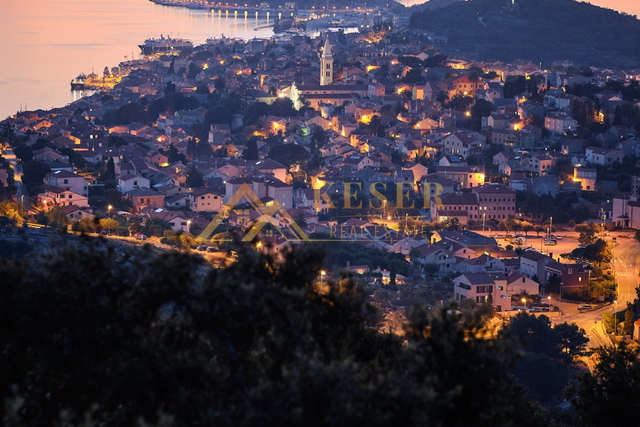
(567, 241)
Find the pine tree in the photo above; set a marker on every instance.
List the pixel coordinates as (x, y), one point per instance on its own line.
(194, 177)
(628, 320)
(111, 169)
(203, 148)
(392, 275)
(251, 152)
(192, 149)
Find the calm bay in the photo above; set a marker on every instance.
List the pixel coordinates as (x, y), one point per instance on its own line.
(46, 43)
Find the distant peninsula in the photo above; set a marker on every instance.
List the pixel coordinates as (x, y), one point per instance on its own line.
(283, 4)
(538, 30)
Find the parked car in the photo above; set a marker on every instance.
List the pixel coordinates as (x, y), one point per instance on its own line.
(559, 236)
(141, 236)
(202, 248)
(211, 249)
(550, 242)
(585, 307)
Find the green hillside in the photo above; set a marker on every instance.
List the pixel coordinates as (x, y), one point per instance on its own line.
(540, 30)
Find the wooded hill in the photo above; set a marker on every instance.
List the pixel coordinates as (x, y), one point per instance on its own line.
(539, 30)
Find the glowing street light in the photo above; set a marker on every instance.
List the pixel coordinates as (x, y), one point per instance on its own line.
(524, 301)
(109, 209)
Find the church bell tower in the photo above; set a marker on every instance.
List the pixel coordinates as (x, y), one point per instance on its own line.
(326, 64)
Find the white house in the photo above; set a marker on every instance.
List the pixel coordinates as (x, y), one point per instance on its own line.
(558, 123)
(205, 200)
(532, 264)
(538, 163)
(603, 156)
(67, 181)
(280, 192)
(128, 182)
(518, 283)
(462, 142)
(483, 288)
(55, 196)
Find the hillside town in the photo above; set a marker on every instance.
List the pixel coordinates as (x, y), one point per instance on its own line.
(385, 213)
(461, 165)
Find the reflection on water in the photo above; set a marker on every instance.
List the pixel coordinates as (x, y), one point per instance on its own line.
(47, 43)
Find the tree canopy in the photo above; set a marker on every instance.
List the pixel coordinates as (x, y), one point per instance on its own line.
(536, 29)
(99, 335)
(610, 394)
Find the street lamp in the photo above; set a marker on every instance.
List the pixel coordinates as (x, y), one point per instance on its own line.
(589, 268)
(322, 274)
(524, 301)
(188, 226)
(549, 302)
(109, 210)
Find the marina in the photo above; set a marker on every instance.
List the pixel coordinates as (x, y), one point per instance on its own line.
(101, 33)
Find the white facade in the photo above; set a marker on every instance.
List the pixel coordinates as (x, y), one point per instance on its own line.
(603, 156)
(326, 64)
(131, 182)
(68, 181)
(207, 202)
(558, 123)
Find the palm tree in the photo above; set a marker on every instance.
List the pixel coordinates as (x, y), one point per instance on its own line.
(300, 219)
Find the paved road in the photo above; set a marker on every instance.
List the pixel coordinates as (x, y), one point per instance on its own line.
(21, 190)
(626, 265)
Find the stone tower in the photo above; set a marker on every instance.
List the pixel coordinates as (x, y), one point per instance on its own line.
(326, 64)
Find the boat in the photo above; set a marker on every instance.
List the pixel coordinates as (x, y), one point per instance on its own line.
(343, 23)
(295, 32)
(79, 82)
(164, 44)
(281, 25)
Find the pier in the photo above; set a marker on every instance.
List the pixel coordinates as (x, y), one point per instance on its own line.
(228, 8)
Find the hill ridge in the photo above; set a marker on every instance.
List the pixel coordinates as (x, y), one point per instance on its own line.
(539, 30)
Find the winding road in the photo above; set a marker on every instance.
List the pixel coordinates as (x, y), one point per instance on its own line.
(626, 265)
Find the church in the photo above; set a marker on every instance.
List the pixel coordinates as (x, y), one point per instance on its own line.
(327, 92)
